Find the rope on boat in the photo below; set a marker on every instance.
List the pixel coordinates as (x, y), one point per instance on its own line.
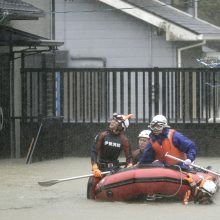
(181, 183)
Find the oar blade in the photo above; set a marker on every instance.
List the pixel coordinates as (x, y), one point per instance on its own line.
(52, 182)
(48, 183)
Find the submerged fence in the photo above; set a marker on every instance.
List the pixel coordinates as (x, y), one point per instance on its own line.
(92, 95)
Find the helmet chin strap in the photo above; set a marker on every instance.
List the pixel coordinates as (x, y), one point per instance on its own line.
(120, 128)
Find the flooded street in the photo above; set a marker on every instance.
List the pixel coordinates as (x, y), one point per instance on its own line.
(21, 198)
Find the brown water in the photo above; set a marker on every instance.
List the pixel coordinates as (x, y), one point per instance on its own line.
(21, 198)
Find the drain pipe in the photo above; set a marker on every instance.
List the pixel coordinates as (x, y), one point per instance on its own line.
(195, 8)
(186, 48)
(53, 19)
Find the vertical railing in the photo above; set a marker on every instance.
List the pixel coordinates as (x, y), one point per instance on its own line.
(92, 95)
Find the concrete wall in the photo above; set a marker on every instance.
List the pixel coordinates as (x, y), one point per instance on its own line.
(92, 29)
(77, 138)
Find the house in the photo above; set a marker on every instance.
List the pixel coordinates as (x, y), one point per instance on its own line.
(130, 33)
(20, 24)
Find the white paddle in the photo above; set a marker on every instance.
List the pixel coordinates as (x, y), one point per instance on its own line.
(192, 164)
(55, 181)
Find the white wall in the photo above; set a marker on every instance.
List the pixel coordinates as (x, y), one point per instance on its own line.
(92, 29)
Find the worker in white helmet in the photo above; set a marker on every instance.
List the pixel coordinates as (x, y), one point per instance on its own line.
(143, 140)
(203, 189)
(166, 140)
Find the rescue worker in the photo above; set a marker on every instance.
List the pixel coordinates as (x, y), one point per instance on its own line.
(202, 190)
(107, 148)
(143, 140)
(165, 140)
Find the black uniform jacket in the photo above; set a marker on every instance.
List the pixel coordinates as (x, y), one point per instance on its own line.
(108, 146)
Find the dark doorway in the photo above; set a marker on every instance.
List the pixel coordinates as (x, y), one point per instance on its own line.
(4, 105)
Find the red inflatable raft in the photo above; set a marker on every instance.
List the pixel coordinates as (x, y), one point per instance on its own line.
(149, 183)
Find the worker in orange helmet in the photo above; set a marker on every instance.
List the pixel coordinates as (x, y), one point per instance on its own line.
(107, 148)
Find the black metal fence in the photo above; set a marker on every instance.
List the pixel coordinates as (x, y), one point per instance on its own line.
(92, 95)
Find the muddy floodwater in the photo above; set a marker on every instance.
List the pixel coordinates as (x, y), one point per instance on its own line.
(21, 198)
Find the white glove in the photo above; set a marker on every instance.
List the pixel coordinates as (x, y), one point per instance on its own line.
(187, 162)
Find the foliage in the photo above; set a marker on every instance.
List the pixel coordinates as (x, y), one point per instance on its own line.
(209, 11)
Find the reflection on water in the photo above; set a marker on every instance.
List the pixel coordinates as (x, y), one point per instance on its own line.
(22, 198)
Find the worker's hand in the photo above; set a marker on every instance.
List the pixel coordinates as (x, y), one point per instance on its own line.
(130, 165)
(190, 180)
(187, 162)
(96, 171)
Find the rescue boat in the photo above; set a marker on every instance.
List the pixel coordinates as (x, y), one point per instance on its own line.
(153, 182)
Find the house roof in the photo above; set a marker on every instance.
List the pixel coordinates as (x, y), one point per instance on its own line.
(19, 10)
(13, 37)
(178, 25)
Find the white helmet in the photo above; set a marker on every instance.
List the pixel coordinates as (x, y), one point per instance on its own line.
(144, 134)
(159, 120)
(125, 123)
(209, 187)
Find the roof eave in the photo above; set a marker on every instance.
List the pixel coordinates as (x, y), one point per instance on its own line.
(26, 16)
(13, 14)
(50, 43)
(177, 33)
(213, 37)
(18, 38)
(173, 31)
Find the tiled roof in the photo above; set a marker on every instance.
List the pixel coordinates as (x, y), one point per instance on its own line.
(19, 9)
(175, 16)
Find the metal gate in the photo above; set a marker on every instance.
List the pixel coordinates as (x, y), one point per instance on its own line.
(4, 106)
